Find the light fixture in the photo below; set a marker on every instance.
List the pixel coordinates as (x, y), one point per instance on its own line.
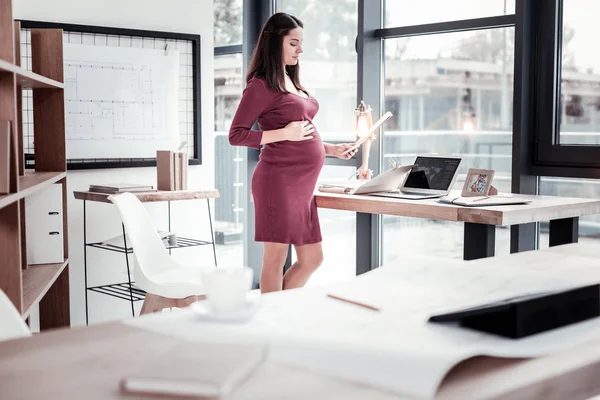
(364, 122)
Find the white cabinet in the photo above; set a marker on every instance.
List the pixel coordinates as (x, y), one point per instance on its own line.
(44, 222)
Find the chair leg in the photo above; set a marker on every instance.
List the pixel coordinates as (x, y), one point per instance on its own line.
(154, 303)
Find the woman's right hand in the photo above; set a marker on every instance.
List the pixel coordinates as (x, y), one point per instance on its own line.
(297, 131)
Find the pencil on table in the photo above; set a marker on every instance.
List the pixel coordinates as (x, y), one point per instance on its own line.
(356, 303)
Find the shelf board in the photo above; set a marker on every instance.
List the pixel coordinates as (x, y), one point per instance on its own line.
(30, 183)
(37, 280)
(29, 80)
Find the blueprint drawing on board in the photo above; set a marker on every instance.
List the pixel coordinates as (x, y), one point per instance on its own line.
(120, 102)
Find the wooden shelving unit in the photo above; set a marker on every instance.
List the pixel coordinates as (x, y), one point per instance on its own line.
(43, 284)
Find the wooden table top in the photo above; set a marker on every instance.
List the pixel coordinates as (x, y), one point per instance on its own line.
(88, 362)
(148, 197)
(541, 208)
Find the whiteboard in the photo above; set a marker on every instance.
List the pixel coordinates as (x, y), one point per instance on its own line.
(120, 102)
(112, 127)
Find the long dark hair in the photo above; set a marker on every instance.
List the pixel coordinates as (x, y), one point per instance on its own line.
(267, 58)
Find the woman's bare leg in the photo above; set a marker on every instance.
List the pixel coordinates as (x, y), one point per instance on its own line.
(271, 276)
(310, 257)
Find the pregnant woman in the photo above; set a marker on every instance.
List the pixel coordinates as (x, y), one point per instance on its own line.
(292, 155)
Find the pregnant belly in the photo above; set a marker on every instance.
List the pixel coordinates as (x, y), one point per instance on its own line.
(308, 153)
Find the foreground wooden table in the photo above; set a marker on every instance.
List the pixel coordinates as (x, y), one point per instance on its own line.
(480, 222)
(88, 362)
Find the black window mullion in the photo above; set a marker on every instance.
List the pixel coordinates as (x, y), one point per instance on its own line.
(566, 160)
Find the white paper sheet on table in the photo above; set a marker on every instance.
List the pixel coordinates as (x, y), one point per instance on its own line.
(396, 349)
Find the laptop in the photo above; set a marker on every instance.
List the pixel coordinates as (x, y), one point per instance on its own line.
(387, 182)
(430, 177)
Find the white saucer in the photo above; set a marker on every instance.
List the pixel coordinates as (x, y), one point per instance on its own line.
(204, 311)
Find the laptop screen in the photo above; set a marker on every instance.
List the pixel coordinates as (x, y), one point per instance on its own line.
(432, 173)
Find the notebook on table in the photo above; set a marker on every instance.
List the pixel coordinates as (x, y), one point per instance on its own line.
(114, 188)
(194, 370)
(496, 200)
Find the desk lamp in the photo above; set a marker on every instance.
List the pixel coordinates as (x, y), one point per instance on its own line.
(364, 122)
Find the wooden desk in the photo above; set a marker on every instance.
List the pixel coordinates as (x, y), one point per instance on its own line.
(148, 197)
(125, 290)
(88, 363)
(480, 222)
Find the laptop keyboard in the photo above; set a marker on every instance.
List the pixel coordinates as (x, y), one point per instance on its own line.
(414, 193)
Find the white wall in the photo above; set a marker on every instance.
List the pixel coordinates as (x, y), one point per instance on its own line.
(189, 218)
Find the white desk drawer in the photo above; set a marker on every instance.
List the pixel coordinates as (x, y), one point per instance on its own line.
(44, 221)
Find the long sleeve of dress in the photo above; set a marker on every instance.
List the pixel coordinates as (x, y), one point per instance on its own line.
(255, 100)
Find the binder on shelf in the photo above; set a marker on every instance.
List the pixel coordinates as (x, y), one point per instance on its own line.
(4, 157)
(171, 170)
(44, 226)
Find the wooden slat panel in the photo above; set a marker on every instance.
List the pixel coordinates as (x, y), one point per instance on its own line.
(6, 35)
(10, 254)
(30, 183)
(55, 309)
(48, 104)
(37, 280)
(8, 112)
(149, 197)
(27, 79)
(21, 162)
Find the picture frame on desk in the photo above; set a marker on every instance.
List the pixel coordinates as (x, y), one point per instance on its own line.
(478, 182)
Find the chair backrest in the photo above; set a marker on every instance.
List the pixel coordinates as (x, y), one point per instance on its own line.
(150, 253)
(11, 324)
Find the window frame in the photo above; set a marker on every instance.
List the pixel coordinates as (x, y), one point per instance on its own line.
(552, 158)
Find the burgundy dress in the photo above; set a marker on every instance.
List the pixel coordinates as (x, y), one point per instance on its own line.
(286, 175)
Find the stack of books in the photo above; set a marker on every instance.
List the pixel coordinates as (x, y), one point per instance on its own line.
(114, 188)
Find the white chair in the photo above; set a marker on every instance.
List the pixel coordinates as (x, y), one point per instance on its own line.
(12, 325)
(167, 283)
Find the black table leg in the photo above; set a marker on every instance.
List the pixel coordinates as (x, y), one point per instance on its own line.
(479, 241)
(564, 231)
(85, 263)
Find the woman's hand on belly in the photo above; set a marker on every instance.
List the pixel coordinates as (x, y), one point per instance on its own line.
(297, 131)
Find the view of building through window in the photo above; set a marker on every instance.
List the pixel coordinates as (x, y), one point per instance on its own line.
(451, 94)
(580, 88)
(228, 22)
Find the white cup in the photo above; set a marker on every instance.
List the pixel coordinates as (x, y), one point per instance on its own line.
(226, 288)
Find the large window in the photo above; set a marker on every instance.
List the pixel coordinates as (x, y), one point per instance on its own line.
(328, 65)
(451, 94)
(228, 22)
(568, 87)
(580, 87)
(230, 162)
(328, 71)
(413, 12)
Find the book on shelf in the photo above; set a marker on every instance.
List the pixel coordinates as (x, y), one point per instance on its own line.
(4, 157)
(114, 188)
(194, 370)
